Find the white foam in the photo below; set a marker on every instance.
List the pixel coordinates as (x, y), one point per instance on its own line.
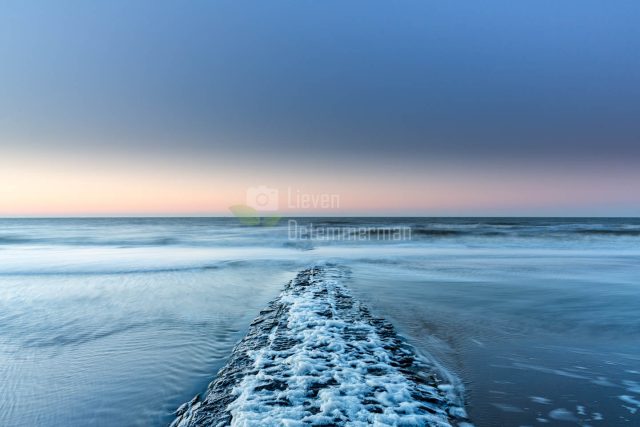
(630, 400)
(541, 400)
(562, 414)
(327, 361)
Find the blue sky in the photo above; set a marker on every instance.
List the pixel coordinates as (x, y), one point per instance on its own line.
(238, 92)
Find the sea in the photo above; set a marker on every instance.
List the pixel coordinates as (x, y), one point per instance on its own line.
(119, 321)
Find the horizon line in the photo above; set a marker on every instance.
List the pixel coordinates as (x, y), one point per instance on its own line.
(315, 216)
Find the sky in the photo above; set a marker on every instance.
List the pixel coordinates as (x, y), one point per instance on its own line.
(411, 107)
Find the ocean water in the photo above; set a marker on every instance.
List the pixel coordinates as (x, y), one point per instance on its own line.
(119, 321)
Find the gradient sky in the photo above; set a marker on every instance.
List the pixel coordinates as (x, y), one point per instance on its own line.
(399, 107)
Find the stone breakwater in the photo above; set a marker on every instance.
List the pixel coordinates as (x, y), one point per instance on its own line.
(316, 356)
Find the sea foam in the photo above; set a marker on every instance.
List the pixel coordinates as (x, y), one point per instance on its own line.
(316, 356)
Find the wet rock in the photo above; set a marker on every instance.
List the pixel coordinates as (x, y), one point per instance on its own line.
(316, 355)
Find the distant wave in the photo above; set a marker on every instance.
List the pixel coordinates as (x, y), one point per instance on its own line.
(227, 232)
(437, 232)
(13, 240)
(550, 232)
(611, 232)
(17, 239)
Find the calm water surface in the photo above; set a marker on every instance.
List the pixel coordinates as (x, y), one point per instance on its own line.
(119, 321)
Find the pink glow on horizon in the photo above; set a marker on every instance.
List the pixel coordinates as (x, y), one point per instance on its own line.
(61, 187)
